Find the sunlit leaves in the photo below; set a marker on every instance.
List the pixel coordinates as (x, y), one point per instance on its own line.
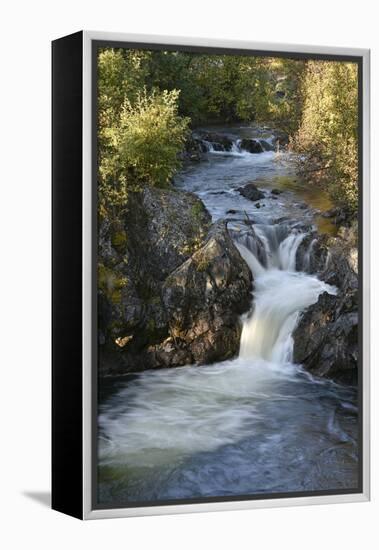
(329, 126)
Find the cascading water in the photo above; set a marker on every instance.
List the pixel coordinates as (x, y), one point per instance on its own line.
(279, 297)
(259, 423)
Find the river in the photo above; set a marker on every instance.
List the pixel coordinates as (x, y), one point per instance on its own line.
(258, 424)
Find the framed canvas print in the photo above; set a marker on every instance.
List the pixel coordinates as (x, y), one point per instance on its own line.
(210, 275)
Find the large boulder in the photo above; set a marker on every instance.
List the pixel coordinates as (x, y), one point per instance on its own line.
(204, 298)
(326, 338)
(158, 233)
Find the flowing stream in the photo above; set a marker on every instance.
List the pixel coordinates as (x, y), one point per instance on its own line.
(258, 423)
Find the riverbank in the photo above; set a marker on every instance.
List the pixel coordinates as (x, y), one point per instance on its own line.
(167, 297)
(259, 305)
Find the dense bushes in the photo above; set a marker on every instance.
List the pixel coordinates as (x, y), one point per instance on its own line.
(147, 99)
(140, 133)
(328, 131)
(143, 145)
(229, 88)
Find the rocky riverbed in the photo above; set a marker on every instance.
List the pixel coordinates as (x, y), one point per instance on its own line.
(245, 278)
(173, 285)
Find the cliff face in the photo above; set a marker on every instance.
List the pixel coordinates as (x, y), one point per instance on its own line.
(171, 286)
(326, 338)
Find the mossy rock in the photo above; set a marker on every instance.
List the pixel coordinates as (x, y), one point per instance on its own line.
(111, 283)
(119, 239)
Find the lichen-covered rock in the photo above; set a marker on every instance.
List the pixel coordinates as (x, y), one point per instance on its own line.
(159, 232)
(205, 296)
(326, 339)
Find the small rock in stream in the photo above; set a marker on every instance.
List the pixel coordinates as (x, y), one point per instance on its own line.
(251, 192)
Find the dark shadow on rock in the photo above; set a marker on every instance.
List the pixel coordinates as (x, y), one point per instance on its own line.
(41, 497)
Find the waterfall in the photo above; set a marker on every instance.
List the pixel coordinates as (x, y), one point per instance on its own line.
(234, 147)
(280, 295)
(256, 423)
(308, 255)
(288, 249)
(208, 146)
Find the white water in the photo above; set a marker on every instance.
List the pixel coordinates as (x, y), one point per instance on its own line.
(171, 413)
(279, 298)
(254, 424)
(280, 295)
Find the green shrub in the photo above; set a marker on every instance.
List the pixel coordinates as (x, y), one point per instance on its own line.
(328, 131)
(150, 136)
(139, 133)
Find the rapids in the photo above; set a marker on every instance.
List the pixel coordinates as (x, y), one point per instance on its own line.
(256, 424)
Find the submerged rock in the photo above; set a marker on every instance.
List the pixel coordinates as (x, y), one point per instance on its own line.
(150, 314)
(326, 338)
(251, 192)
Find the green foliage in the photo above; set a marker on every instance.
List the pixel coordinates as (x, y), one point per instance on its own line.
(140, 133)
(328, 132)
(227, 88)
(197, 210)
(150, 135)
(146, 100)
(111, 283)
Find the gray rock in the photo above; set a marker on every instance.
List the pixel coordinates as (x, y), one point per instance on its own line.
(194, 150)
(220, 142)
(163, 233)
(204, 298)
(251, 192)
(326, 338)
(251, 145)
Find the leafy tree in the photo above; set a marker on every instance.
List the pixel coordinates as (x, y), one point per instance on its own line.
(150, 135)
(139, 133)
(143, 118)
(328, 132)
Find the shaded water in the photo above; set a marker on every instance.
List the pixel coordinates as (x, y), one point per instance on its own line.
(259, 423)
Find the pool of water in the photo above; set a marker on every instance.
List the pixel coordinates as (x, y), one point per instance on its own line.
(257, 424)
